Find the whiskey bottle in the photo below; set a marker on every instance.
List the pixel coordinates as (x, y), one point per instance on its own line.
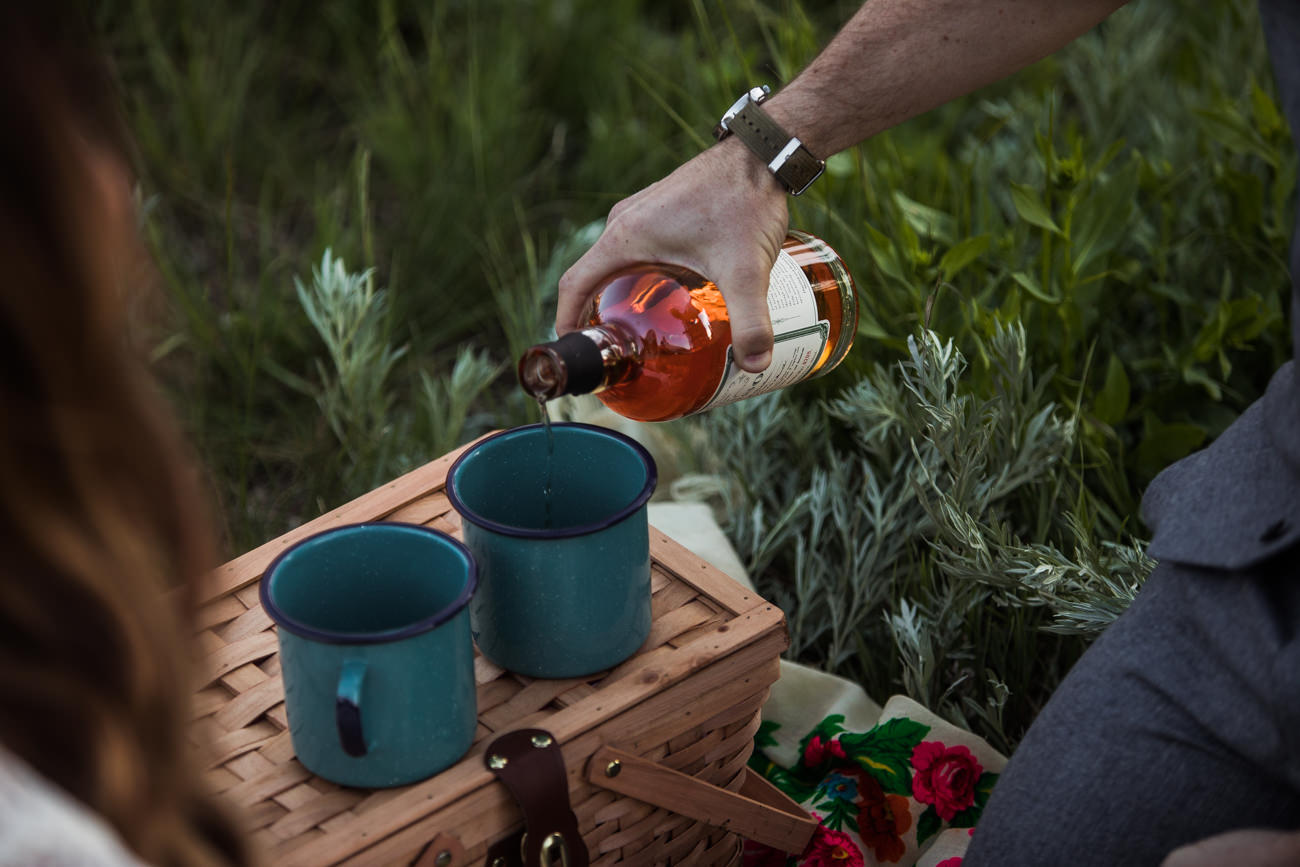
(657, 344)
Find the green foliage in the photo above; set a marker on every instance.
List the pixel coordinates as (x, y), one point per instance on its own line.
(1068, 280)
(351, 318)
(920, 539)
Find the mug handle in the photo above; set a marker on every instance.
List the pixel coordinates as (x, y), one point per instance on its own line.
(347, 707)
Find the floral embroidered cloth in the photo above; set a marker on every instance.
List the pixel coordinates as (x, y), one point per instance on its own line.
(893, 785)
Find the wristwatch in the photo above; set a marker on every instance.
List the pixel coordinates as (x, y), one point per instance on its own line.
(785, 155)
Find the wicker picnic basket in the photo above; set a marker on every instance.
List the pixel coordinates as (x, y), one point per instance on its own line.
(654, 750)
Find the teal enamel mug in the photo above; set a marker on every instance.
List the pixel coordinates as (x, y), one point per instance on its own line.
(375, 651)
(559, 532)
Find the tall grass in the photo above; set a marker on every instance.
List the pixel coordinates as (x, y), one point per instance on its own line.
(360, 211)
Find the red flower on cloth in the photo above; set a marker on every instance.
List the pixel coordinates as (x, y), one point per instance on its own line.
(950, 862)
(757, 855)
(882, 819)
(817, 750)
(831, 849)
(945, 777)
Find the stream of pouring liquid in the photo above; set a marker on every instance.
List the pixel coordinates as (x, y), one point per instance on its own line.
(550, 455)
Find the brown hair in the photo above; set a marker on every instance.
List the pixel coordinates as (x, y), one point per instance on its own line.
(100, 514)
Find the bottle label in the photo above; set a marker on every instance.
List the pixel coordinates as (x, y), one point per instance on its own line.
(800, 338)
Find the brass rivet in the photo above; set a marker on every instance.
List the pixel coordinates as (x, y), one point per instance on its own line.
(542, 741)
(496, 763)
(443, 859)
(612, 769)
(499, 861)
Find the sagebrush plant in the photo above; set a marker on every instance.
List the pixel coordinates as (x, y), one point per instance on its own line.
(351, 317)
(377, 432)
(923, 541)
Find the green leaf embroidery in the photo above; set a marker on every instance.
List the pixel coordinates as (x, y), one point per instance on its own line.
(837, 813)
(827, 729)
(763, 737)
(927, 826)
(885, 752)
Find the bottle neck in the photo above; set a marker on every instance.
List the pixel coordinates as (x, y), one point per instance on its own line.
(580, 362)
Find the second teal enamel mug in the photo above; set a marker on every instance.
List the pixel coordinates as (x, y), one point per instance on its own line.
(559, 531)
(375, 651)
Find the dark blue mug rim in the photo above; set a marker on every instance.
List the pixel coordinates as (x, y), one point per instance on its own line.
(331, 636)
(643, 497)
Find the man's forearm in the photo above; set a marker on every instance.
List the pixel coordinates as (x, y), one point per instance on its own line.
(896, 59)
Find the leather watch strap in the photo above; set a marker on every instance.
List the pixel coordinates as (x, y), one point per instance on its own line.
(531, 765)
(786, 156)
(755, 127)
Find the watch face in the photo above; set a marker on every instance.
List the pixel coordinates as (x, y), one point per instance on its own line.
(754, 95)
(734, 110)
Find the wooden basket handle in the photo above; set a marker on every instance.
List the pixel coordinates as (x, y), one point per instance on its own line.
(759, 811)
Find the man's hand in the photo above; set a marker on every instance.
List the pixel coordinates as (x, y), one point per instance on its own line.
(722, 215)
(1248, 848)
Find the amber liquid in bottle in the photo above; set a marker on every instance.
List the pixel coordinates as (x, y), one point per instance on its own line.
(664, 337)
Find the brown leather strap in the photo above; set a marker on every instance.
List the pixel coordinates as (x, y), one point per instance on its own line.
(506, 852)
(531, 765)
(765, 137)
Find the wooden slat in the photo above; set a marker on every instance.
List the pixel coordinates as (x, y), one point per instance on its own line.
(674, 595)
(244, 677)
(703, 576)
(226, 747)
(248, 706)
(674, 623)
(251, 622)
(275, 780)
(314, 812)
(423, 510)
(208, 701)
(240, 653)
(531, 698)
(617, 697)
(219, 611)
(474, 818)
(258, 816)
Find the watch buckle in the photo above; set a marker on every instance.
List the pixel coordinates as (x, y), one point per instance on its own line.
(778, 162)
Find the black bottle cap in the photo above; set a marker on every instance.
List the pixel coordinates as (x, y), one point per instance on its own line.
(584, 366)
